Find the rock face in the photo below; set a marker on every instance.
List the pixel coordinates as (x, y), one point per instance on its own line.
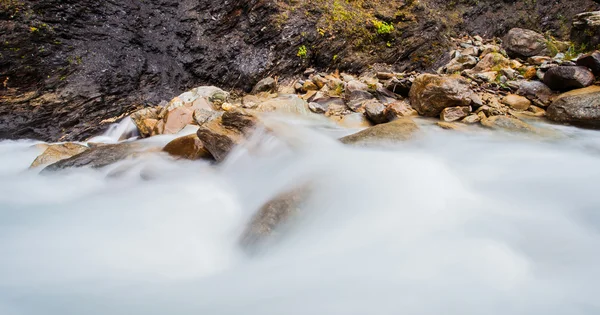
(223, 133)
(586, 29)
(188, 147)
(578, 107)
(430, 94)
(400, 129)
(564, 78)
(524, 43)
(57, 152)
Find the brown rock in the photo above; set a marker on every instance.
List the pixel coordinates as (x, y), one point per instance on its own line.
(400, 129)
(516, 102)
(145, 119)
(471, 119)
(492, 61)
(376, 112)
(579, 107)
(99, 156)
(356, 95)
(524, 43)
(58, 152)
(430, 94)
(188, 147)
(508, 124)
(221, 134)
(450, 114)
(309, 86)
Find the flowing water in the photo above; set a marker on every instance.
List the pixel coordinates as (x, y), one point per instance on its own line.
(450, 223)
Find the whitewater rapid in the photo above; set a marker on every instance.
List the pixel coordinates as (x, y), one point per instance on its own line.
(449, 223)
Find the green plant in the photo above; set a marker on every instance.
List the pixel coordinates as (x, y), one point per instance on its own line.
(383, 27)
(302, 51)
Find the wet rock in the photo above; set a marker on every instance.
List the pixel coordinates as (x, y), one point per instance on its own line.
(400, 129)
(450, 114)
(451, 126)
(590, 61)
(58, 152)
(430, 94)
(176, 119)
(356, 94)
(99, 156)
(400, 108)
(265, 85)
(376, 112)
(564, 78)
(145, 120)
(188, 147)
(524, 43)
(516, 102)
(579, 107)
(508, 124)
(223, 133)
(399, 86)
(317, 108)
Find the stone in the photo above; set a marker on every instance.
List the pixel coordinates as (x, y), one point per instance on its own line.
(267, 84)
(201, 116)
(319, 81)
(508, 124)
(213, 94)
(385, 75)
(317, 108)
(376, 112)
(399, 86)
(579, 107)
(492, 61)
(356, 94)
(516, 102)
(450, 114)
(145, 120)
(400, 108)
(487, 76)
(585, 29)
(58, 152)
(177, 119)
(490, 49)
(398, 130)
(99, 156)
(470, 51)
(288, 104)
(471, 119)
(187, 147)
(430, 94)
(564, 78)
(535, 90)
(536, 111)
(451, 126)
(223, 133)
(250, 101)
(529, 73)
(351, 120)
(309, 86)
(538, 60)
(590, 61)
(460, 63)
(524, 43)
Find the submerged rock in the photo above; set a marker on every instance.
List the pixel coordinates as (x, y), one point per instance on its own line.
(579, 107)
(188, 147)
(398, 130)
(508, 124)
(58, 152)
(430, 94)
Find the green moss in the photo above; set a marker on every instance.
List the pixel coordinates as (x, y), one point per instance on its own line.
(302, 51)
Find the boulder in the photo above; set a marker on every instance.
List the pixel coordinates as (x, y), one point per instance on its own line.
(430, 94)
(450, 114)
(318, 108)
(376, 112)
(586, 29)
(535, 91)
(265, 85)
(590, 61)
(289, 104)
(223, 133)
(516, 102)
(176, 119)
(460, 63)
(564, 78)
(213, 94)
(187, 147)
(398, 130)
(99, 156)
(508, 124)
(471, 119)
(400, 108)
(58, 152)
(579, 107)
(492, 61)
(145, 120)
(524, 43)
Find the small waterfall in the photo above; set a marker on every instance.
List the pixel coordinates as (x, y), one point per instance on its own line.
(123, 130)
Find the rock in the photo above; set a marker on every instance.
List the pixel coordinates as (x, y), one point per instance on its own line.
(507, 123)
(460, 63)
(471, 119)
(385, 75)
(213, 94)
(470, 51)
(145, 120)
(536, 111)
(530, 73)
(99, 156)
(177, 119)
(188, 147)
(352, 120)
(535, 90)
(317, 107)
(590, 61)
(399, 86)
(272, 215)
(356, 94)
(430, 94)
(492, 61)
(564, 78)
(400, 108)
(490, 49)
(201, 116)
(450, 114)
(487, 76)
(586, 29)
(221, 134)
(451, 126)
(309, 86)
(579, 107)
(539, 60)
(289, 104)
(524, 43)
(265, 85)
(376, 112)
(400, 129)
(58, 152)
(319, 81)
(516, 102)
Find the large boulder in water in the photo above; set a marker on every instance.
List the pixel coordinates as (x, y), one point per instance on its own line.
(430, 94)
(188, 147)
(58, 152)
(398, 130)
(564, 78)
(223, 133)
(579, 107)
(525, 43)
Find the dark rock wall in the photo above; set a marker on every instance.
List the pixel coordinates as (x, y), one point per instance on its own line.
(67, 65)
